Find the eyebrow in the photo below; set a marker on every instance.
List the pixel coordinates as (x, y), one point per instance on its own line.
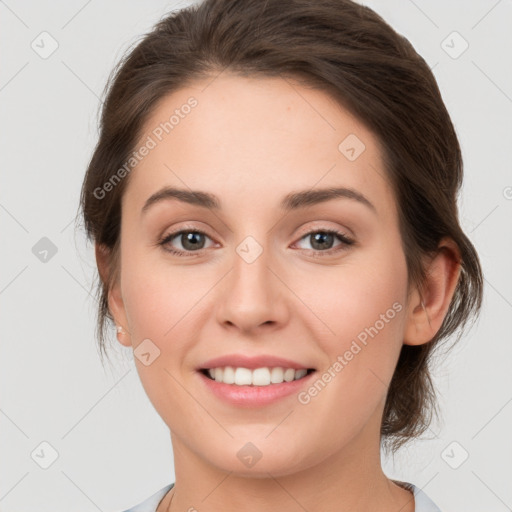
(292, 201)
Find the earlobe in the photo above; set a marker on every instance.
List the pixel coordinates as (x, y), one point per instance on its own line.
(122, 336)
(115, 301)
(427, 310)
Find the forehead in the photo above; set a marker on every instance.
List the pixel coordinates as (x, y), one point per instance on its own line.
(247, 139)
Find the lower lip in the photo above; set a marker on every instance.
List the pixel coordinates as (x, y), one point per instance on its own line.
(254, 396)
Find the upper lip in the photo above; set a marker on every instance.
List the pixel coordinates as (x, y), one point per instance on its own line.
(243, 361)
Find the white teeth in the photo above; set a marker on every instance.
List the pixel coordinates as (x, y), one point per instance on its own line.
(258, 377)
(276, 375)
(243, 376)
(289, 374)
(300, 373)
(261, 377)
(228, 375)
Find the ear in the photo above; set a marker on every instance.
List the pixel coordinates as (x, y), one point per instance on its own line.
(115, 300)
(427, 310)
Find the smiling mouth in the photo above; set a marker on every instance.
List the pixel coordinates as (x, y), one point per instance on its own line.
(265, 376)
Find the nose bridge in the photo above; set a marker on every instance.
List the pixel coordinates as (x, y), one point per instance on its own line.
(253, 294)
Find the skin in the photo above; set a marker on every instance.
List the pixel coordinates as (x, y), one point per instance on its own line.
(251, 141)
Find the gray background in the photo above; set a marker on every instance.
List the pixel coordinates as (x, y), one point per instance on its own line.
(113, 449)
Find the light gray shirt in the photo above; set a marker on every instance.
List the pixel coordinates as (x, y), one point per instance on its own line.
(422, 502)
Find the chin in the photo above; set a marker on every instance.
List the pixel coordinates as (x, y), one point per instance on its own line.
(251, 460)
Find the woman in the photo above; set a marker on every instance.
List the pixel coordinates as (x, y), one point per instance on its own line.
(273, 204)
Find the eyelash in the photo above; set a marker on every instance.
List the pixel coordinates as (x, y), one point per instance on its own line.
(342, 237)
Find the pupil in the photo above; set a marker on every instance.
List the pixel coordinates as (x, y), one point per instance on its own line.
(190, 239)
(321, 238)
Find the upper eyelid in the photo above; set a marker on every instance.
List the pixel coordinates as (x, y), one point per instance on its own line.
(314, 229)
(306, 231)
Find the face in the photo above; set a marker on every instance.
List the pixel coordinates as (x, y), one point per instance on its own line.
(275, 269)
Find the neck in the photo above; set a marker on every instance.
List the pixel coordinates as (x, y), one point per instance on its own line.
(349, 479)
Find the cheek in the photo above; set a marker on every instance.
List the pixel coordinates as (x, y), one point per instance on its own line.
(363, 305)
(160, 298)
(362, 311)
(160, 304)
(352, 297)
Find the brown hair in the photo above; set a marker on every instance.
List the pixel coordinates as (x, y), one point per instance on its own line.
(348, 51)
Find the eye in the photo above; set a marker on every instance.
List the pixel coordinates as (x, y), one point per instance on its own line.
(322, 239)
(190, 241)
(193, 241)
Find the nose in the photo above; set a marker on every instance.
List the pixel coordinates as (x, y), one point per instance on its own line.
(253, 296)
